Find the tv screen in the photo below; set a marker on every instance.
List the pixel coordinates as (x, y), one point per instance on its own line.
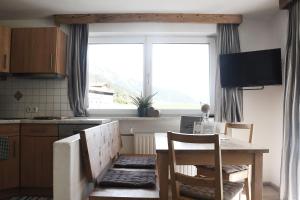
(256, 68)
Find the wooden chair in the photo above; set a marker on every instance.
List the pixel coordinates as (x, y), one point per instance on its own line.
(232, 172)
(189, 187)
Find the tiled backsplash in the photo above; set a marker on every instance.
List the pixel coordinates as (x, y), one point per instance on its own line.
(50, 97)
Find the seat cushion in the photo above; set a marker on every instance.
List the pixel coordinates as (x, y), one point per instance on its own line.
(135, 162)
(228, 169)
(128, 178)
(230, 190)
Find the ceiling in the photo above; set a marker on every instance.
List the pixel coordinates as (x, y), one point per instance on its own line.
(28, 9)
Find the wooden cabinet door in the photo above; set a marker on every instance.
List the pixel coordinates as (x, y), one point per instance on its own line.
(33, 50)
(9, 169)
(43, 51)
(5, 36)
(37, 161)
(20, 50)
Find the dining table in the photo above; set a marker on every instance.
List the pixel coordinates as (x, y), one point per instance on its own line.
(233, 152)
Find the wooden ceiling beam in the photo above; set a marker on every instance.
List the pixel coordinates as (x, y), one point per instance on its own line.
(284, 4)
(148, 17)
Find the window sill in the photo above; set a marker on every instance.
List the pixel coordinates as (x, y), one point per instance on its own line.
(132, 113)
(140, 118)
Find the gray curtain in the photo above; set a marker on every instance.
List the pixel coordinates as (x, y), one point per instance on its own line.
(228, 101)
(290, 163)
(77, 68)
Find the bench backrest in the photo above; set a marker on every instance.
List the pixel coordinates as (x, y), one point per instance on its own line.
(100, 145)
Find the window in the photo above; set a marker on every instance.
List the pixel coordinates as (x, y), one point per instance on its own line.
(115, 74)
(179, 69)
(180, 75)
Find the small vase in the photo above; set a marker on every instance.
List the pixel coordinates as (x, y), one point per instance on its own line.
(142, 112)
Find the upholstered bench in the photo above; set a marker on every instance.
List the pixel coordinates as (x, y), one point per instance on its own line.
(100, 153)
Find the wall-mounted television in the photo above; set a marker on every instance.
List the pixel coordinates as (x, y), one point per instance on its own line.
(256, 68)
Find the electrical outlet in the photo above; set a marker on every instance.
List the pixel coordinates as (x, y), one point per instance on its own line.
(28, 109)
(31, 109)
(35, 109)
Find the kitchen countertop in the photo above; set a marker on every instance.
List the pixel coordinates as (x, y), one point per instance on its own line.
(75, 120)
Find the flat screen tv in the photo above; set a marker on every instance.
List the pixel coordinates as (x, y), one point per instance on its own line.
(256, 68)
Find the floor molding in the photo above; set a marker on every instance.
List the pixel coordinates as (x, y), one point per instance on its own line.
(273, 185)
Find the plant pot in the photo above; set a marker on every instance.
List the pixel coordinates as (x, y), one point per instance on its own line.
(142, 112)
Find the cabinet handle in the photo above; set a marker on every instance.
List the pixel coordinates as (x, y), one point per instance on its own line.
(51, 61)
(4, 61)
(14, 149)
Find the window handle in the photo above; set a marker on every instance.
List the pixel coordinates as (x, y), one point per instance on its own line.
(148, 78)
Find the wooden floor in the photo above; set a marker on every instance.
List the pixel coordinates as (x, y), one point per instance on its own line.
(268, 194)
(30, 198)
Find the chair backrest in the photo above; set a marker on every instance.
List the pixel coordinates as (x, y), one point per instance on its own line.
(178, 178)
(240, 126)
(187, 123)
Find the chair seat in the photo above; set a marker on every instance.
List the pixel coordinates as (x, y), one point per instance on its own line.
(228, 169)
(230, 190)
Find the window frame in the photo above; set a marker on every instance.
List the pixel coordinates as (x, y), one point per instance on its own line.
(148, 41)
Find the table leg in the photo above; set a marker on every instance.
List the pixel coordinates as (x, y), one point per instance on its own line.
(257, 173)
(163, 173)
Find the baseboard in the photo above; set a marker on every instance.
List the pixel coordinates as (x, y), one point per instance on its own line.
(272, 185)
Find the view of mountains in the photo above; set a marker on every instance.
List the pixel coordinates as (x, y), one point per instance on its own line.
(131, 86)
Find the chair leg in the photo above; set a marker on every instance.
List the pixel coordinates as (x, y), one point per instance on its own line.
(247, 188)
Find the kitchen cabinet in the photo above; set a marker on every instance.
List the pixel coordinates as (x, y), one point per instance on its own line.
(38, 51)
(5, 38)
(9, 169)
(37, 155)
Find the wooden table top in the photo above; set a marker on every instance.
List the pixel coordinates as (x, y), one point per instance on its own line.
(226, 143)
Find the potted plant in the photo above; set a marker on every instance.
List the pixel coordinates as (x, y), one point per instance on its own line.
(142, 103)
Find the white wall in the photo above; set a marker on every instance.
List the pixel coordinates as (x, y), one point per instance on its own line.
(265, 107)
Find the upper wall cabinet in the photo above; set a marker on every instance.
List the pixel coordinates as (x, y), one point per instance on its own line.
(38, 51)
(5, 35)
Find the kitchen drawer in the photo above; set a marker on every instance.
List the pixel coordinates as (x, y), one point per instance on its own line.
(9, 129)
(39, 130)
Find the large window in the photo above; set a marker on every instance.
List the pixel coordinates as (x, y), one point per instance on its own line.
(180, 75)
(115, 74)
(177, 69)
